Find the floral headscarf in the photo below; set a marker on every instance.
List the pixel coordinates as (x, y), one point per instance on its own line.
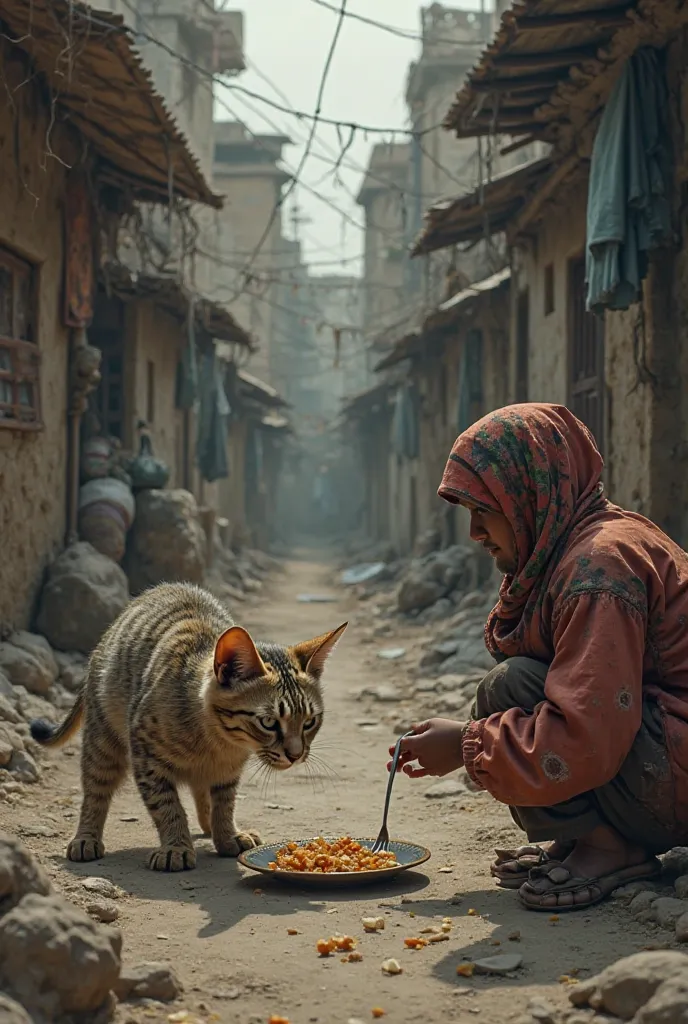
(538, 465)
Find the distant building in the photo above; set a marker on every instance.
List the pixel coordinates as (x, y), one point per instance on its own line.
(250, 249)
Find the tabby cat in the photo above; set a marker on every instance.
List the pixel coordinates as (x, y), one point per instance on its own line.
(184, 696)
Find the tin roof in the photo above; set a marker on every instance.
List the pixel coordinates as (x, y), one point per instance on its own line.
(485, 211)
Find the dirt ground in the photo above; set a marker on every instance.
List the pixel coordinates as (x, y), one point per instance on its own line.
(226, 932)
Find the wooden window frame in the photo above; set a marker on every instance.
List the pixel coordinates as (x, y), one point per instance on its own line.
(24, 353)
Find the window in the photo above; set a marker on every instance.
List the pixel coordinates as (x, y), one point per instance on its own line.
(19, 354)
(549, 289)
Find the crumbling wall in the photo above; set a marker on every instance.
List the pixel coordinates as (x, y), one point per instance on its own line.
(560, 238)
(629, 411)
(33, 463)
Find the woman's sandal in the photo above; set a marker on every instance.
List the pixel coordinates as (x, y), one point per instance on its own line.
(554, 879)
(512, 867)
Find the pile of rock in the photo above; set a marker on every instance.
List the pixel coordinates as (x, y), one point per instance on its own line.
(56, 963)
(41, 672)
(664, 902)
(28, 674)
(431, 584)
(237, 575)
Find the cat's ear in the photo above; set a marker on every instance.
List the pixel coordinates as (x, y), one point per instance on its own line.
(236, 657)
(312, 654)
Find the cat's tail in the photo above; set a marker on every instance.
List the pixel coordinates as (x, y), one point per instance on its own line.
(50, 735)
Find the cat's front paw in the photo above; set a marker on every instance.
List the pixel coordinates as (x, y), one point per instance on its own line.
(85, 848)
(232, 846)
(172, 858)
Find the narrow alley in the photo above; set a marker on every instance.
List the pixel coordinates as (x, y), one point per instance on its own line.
(227, 932)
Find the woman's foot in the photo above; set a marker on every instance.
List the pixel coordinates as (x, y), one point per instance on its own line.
(599, 863)
(512, 867)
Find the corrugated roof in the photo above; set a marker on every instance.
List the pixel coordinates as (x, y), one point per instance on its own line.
(485, 211)
(171, 296)
(544, 54)
(101, 87)
(447, 312)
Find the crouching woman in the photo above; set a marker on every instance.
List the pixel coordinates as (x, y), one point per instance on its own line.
(582, 727)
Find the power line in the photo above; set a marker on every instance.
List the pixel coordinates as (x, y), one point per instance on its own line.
(301, 115)
(403, 33)
(337, 158)
(392, 29)
(309, 142)
(218, 79)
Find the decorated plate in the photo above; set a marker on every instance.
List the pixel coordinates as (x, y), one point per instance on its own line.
(408, 855)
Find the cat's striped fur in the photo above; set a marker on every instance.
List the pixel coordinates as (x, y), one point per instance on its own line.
(182, 696)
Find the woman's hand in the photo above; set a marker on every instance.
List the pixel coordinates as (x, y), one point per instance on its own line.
(436, 746)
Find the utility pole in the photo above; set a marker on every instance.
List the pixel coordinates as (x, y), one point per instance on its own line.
(298, 218)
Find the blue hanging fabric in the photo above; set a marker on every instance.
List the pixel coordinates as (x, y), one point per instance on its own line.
(628, 192)
(213, 414)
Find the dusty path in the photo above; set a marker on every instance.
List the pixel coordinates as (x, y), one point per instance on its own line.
(229, 943)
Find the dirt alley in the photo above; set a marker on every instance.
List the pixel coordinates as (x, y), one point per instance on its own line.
(226, 933)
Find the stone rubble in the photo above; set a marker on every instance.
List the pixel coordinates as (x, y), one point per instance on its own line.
(629, 988)
(56, 963)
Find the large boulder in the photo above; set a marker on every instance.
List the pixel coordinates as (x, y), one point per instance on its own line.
(27, 660)
(167, 542)
(84, 594)
(626, 986)
(55, 960)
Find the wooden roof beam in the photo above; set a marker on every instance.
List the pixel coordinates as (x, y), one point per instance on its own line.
(546, 60)
(614, 17)
(526, 83)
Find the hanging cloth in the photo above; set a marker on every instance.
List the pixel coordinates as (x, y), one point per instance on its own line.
(628, 204)
(213, 414)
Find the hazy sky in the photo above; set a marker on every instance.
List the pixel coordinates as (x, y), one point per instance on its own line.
(286, 42)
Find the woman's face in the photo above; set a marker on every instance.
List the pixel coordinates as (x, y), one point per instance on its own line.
(493, 531)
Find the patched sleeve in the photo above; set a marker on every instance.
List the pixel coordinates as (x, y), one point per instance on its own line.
(579, 736)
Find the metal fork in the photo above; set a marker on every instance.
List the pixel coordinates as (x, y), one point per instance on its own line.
(381, 844)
